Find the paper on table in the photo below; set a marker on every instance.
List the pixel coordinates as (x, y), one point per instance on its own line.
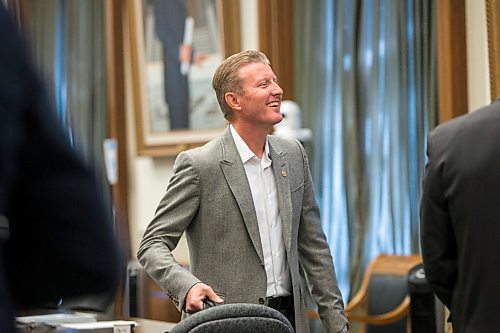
(98, 324)
(188, 39)
(57, 318)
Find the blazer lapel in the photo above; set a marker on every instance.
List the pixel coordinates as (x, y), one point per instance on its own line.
(236, 178)
(282, 176)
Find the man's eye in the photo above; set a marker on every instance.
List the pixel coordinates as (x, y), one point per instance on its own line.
(264, 84)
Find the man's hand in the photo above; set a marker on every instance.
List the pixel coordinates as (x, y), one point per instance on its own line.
(185, 53)
(196, 295)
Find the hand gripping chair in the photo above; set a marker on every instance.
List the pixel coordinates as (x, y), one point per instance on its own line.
(382, 303)
(235, 318)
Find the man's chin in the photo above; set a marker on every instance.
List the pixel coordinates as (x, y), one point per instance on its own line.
(279, 116)
(276, 122)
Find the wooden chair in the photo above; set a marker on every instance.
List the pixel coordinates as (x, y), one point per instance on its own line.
(382, 303)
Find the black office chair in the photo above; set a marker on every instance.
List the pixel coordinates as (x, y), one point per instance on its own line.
(235, 318)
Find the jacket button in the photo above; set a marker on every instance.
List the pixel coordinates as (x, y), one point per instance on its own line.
(262, 301)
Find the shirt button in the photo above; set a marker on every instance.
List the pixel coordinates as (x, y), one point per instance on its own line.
(262, 301)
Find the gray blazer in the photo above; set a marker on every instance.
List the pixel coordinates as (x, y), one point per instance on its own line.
(209, 198)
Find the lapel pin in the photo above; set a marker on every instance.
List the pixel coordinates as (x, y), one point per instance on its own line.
(283, 173)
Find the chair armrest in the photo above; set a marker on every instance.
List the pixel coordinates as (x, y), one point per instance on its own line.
(358, 300)
(382, 319)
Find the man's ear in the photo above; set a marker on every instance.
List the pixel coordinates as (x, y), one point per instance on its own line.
(232, 100)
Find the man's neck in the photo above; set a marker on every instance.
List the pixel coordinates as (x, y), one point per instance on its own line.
(255, 138)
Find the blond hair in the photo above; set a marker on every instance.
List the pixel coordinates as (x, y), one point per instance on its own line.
(226, 78)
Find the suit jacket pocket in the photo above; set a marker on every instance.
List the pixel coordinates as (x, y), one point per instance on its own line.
(298, 187)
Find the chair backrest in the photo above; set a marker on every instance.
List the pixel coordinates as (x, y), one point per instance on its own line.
(238, 317)
(392, 265)
(386, 293)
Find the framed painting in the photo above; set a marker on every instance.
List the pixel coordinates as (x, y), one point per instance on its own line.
(176, 47)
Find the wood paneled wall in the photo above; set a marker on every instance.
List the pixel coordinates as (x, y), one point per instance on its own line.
(493, 22)
(276, 31)
(452, 60)
(115, 17)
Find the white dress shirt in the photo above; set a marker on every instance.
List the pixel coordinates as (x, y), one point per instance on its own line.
(265, 197)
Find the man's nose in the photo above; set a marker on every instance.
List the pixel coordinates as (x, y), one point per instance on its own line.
(277, 89)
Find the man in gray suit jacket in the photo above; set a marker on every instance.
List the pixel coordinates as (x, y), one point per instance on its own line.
(247, 204)
(460, 218)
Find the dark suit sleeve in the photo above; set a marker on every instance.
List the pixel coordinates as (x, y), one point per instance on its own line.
(438, 244)
(61, 242)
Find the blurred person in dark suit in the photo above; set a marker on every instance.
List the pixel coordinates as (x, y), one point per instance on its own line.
(170, 18)
(460, 218)
(60, 242)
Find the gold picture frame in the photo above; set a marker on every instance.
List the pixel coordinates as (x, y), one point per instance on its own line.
(493, 24)
(153, 139)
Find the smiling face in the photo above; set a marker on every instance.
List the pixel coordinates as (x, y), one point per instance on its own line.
(258, 101)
